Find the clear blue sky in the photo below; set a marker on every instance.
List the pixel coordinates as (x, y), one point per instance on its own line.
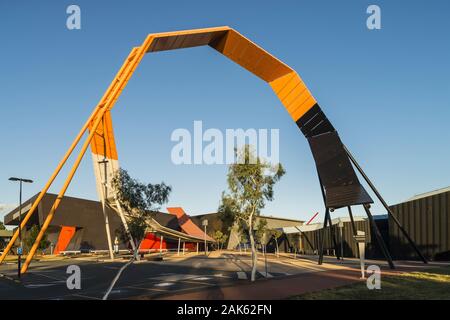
(387, 92)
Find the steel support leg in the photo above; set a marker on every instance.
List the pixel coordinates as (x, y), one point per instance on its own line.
(322, 240)
(333, 237)
(355, 232)
(405, 233)
(48, 184)
(379, 237)
(107, 102)
(327, 212)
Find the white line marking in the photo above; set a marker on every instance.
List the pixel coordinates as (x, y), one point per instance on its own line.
(117, 291)
(60, 281)
(147, 289)
(105, 297)
(202, 278)
(46, 276)
(32, 286)
(175, 277)
(220, 275)
(84, 296)
(164, 284)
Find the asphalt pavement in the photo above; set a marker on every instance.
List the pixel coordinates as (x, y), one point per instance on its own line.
(178, 276)
(48, 279)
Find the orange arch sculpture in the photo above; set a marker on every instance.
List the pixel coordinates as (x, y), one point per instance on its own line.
(285, 82)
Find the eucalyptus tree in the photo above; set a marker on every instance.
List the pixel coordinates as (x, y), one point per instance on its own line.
(275, 234)
(251, 182)
(140, 201)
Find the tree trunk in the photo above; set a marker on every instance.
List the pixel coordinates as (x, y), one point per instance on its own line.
(254, 253)
(276, 243)
(136, 255)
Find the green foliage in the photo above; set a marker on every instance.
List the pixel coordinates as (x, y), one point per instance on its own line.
(137, 225)
(276, 234)
(220, 238)
(139, 201)
(30, 238)
(260, 231)
(226, 216)
(218, 235)
(250, 184)
(2, 241)
(243, 236)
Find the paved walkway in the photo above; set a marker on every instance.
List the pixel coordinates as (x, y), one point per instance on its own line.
(273, 289)
(313, 278)
(221, 275)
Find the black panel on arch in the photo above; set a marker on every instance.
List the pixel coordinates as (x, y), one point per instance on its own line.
(314, 122)
(338, 177)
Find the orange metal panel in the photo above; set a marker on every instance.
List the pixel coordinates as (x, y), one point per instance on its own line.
(191, 31)
(294, 94)
(279, 83)
(303, 108)
(64, 238)
(286, 83)
(288, 88)
(103, 142)
(232, 46)
(187, 225)
(186, 38)
(152, 242)
(297, 95)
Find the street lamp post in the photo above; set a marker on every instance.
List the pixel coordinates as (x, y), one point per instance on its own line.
(20, 249)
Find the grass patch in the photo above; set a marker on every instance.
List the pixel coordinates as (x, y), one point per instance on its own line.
(432, 284)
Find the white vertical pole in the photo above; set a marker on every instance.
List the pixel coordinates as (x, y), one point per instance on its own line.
(362, 246)
(178, 252)
(119, 209)
(122, 216)
(197, 247)
(206, 246)
(104, 193)
(184, 247)
(125, 224)
(160, 244)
